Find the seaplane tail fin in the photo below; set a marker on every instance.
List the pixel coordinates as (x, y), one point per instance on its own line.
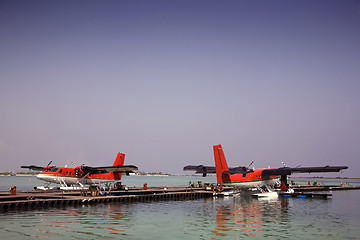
(119, 160)
(222, 168)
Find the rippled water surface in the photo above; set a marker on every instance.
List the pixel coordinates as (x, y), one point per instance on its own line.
(213, 218)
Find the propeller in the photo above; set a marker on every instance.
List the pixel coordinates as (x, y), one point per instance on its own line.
(250, 164)
(48, 165)
(285, 165)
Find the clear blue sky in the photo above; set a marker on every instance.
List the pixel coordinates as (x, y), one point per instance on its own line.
(163, 81)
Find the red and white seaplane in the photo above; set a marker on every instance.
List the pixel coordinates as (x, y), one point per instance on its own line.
(75, 178)
(246, 178)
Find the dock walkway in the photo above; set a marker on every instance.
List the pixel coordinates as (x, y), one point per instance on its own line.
(56, 198)
(40, 199)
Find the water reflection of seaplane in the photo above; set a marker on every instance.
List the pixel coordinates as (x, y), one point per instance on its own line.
(242, 218)
(246, 178)
(77, 177)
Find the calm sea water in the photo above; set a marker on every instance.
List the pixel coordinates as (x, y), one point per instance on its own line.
(24, 183)
(212, 218)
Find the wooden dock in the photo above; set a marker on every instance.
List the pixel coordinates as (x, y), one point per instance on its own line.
(42, 199)
(56, 198)
(309, 188)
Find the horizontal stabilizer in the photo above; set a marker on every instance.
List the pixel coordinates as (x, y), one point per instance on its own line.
(200, 169)
(239, 170)
(211, 169)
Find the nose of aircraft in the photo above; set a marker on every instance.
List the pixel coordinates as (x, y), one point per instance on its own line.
(45, 177)
(40, 177)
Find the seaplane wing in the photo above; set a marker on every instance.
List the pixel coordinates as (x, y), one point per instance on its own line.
(83, 175)
(38, 168)
(247, 178)
(266, 172)
(35, 168)
(107, 169)
(289, 170)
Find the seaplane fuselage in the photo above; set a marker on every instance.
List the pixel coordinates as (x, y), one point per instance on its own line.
(244, 177)
(84, 175)
(249, 180)
(70, 176)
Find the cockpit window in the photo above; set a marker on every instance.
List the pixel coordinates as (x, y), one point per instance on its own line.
(54, 169)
